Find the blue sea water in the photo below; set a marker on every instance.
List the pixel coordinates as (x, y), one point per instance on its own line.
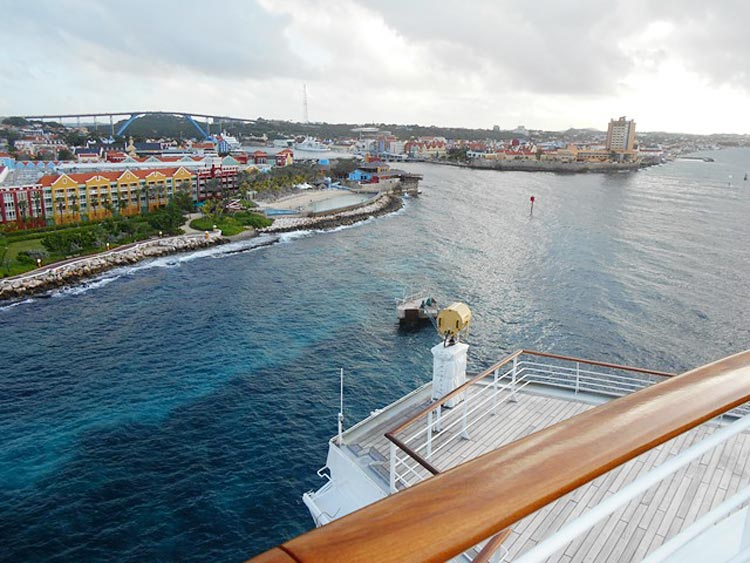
(177, 410)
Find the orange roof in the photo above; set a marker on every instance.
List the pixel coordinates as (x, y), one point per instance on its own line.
(112, 176)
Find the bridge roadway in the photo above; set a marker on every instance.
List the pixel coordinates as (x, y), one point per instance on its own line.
(133, 115)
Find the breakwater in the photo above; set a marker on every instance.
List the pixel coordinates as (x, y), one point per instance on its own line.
(72, 271)
(544, 165)
(550, 166)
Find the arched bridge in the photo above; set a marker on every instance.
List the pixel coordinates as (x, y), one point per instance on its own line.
(133, 115)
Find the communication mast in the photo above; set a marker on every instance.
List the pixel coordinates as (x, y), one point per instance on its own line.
(304, 103)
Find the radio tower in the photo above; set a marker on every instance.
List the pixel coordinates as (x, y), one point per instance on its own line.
(306, 117)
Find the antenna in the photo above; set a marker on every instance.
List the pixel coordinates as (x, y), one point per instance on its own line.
(304, 103)
(341, 409)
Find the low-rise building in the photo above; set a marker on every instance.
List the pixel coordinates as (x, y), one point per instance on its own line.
(66, 198)
(23, 206)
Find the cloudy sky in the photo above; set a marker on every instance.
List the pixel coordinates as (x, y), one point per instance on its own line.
(552, 64)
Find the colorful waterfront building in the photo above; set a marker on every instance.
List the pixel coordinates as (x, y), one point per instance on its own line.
(284, 157)
(259, 157)
(23, 207)
(98, 195)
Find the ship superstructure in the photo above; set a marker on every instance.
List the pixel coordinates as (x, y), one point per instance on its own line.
(543, 457)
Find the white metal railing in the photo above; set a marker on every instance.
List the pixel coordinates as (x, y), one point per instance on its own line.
(569, 532)
(439, 429)
(430, 435)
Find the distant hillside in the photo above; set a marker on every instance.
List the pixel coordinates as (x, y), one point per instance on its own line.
(277, 129)
(172, 126)
(178, 127)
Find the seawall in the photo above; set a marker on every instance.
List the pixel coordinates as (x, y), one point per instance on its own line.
(544, 166)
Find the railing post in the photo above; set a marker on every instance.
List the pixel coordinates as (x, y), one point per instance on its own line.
(392, 475)
(745, 539)
(578, 376)
(494, 393)
(429, 435)
(438, 416)
(513, 397)
(464, 418)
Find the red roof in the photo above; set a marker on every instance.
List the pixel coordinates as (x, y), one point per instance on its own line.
(260, 153)
(4, 155)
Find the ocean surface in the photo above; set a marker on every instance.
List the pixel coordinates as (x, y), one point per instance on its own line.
(178, 409)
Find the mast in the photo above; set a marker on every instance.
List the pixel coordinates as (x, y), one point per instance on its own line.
(341, 408)
(306, 117)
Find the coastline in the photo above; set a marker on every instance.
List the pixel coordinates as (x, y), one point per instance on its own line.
(545, 166)
(71, 272)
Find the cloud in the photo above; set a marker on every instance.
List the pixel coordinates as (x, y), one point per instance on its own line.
(545, 64)
(143, 37)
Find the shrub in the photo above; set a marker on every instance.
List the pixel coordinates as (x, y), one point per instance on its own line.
(254, 220)
(74, 240)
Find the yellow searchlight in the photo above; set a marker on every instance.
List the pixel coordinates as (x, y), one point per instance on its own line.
(453, 321)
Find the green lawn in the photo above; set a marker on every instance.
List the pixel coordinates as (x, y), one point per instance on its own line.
(228, 225)
(15, 247)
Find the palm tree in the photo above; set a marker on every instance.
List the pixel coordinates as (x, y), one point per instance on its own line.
(107, 204)
(37, 205)
(119, 200)
(22, 207)
(151, 192)
(74, 204)
(60, 200)
(141, 192)
(94, 203)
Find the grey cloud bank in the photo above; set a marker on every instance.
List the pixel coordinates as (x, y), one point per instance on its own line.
(545, 64)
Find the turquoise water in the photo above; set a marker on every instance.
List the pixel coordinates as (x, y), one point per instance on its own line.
(178, 409)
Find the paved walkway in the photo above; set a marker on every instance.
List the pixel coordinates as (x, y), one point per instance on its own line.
(187, 228)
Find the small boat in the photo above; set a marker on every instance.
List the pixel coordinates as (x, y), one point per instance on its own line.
(312, 145)
(416, 308)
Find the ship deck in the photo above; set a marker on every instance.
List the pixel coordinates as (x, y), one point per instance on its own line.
(629, 533)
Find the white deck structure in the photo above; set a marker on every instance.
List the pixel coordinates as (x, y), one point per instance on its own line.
(530, 392)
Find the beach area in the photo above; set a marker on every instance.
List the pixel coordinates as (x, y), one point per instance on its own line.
(301, 200)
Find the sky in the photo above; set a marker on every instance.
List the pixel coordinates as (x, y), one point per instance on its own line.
(679, 66)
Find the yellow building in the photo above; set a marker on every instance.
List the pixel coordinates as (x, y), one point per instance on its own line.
(98, 195)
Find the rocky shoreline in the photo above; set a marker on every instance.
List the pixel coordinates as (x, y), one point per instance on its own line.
(73, 271)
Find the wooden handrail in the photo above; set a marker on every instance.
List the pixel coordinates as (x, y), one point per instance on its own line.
(441, 517)
(413, 454)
